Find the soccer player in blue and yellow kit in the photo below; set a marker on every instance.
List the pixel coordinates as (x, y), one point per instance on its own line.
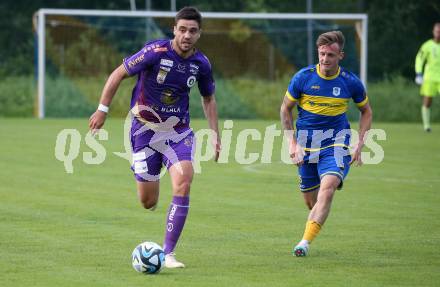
(320, 143)
(160, 133)
(428, 73)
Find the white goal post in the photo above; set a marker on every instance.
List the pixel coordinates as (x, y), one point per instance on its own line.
(361, 30)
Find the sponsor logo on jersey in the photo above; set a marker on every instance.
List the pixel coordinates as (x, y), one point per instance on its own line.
(166, 62)
(191, 81)
(166, 69)
(193, 69)
(136, 61)
(312, 104)
(152, 47)
(188, 141)
(315, 87)
(155, 107)
(181, 68)
(140, 167)
(336, 91)
(168, 98)
(170, 109)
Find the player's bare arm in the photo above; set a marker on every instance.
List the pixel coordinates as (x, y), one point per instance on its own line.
(210, 109)
(97, 119)
(295, 150)
(364, 126)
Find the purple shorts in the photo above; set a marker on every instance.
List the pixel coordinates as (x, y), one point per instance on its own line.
(153, 147)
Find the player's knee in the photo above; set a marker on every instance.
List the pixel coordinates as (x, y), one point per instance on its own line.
(149, 203)
(182, 188)
(427, 102)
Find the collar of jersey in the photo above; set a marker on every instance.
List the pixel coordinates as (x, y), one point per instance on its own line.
(327, 78)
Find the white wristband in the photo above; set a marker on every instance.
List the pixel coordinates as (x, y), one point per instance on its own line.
(103, 108)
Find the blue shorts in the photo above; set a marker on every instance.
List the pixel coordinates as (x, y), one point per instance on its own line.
(334, 161)
(153, 149)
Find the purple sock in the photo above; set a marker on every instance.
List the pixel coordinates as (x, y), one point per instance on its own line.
(175, 221)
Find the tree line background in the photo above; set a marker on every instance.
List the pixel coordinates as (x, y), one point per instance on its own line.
(396, 28)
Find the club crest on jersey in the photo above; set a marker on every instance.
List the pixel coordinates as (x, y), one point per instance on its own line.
(336, 91)
(161, 75)
(181, 68)
(191, 81)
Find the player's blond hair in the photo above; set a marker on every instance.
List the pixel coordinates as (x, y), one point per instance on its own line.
(331, 37)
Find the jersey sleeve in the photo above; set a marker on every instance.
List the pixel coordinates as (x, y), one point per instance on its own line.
(421, 57)
(293, 92)
(139, 61)
(358, 93)
(206, 82)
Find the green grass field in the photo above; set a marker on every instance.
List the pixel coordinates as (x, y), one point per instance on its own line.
(59, 229)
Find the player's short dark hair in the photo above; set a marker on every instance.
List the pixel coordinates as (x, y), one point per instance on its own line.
(189, 13)
(331, 37)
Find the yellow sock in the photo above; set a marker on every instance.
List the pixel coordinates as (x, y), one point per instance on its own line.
(312, 230)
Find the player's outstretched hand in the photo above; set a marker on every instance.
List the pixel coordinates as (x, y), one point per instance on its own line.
(96, 121)
(356, 156)
(297, 153)
(217, 148)
(419, 79)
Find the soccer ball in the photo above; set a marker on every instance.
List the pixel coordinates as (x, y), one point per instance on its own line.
(148, 258)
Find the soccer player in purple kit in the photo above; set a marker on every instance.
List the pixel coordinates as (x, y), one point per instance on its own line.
(160, 132)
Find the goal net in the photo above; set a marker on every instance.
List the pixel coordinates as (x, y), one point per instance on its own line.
(253, 56)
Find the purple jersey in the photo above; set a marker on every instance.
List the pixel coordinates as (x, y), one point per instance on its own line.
(165, 79)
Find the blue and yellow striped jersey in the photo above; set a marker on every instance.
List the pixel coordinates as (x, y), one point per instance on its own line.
(323, 101)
